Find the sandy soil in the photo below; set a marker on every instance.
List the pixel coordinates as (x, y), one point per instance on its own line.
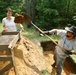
(30, 59)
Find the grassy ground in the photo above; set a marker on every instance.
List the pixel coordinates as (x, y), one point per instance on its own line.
(33, 34)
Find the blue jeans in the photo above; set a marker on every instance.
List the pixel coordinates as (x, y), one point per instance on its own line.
(59, 64)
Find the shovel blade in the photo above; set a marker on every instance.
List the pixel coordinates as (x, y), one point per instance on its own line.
(22, 18)
(27, 18)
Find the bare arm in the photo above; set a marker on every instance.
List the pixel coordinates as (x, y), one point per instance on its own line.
(4, 28)
(53, 31)
(21, 26)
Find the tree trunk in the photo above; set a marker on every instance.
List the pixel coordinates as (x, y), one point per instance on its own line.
(33, 9)
(28, 10)
(68, 7)
(27, 7)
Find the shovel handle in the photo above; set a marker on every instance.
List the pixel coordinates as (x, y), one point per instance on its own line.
(46, 36)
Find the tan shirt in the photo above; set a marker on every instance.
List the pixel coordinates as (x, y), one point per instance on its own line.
(65, 44)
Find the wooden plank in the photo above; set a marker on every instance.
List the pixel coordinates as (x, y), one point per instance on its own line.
(6, 66)
(5, 57)
(14, 41)
(13, 61)
(3, 47)
(7, 42)
(10, 33)
(6, 39)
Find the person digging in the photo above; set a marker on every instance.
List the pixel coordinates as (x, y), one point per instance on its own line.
(67, 42)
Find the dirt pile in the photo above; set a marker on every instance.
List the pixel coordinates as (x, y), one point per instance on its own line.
(29, 58)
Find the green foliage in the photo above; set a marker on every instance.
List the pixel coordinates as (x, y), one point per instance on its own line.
(56, 13)
(16, 5)
(48, 13)
(49, 16)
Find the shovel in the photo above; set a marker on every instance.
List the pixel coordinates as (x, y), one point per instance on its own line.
(28, 19)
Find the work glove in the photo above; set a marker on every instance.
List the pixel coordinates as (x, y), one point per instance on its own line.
(46, 32)
(68, 52)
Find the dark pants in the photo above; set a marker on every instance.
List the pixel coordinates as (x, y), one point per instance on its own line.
(58, 64)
